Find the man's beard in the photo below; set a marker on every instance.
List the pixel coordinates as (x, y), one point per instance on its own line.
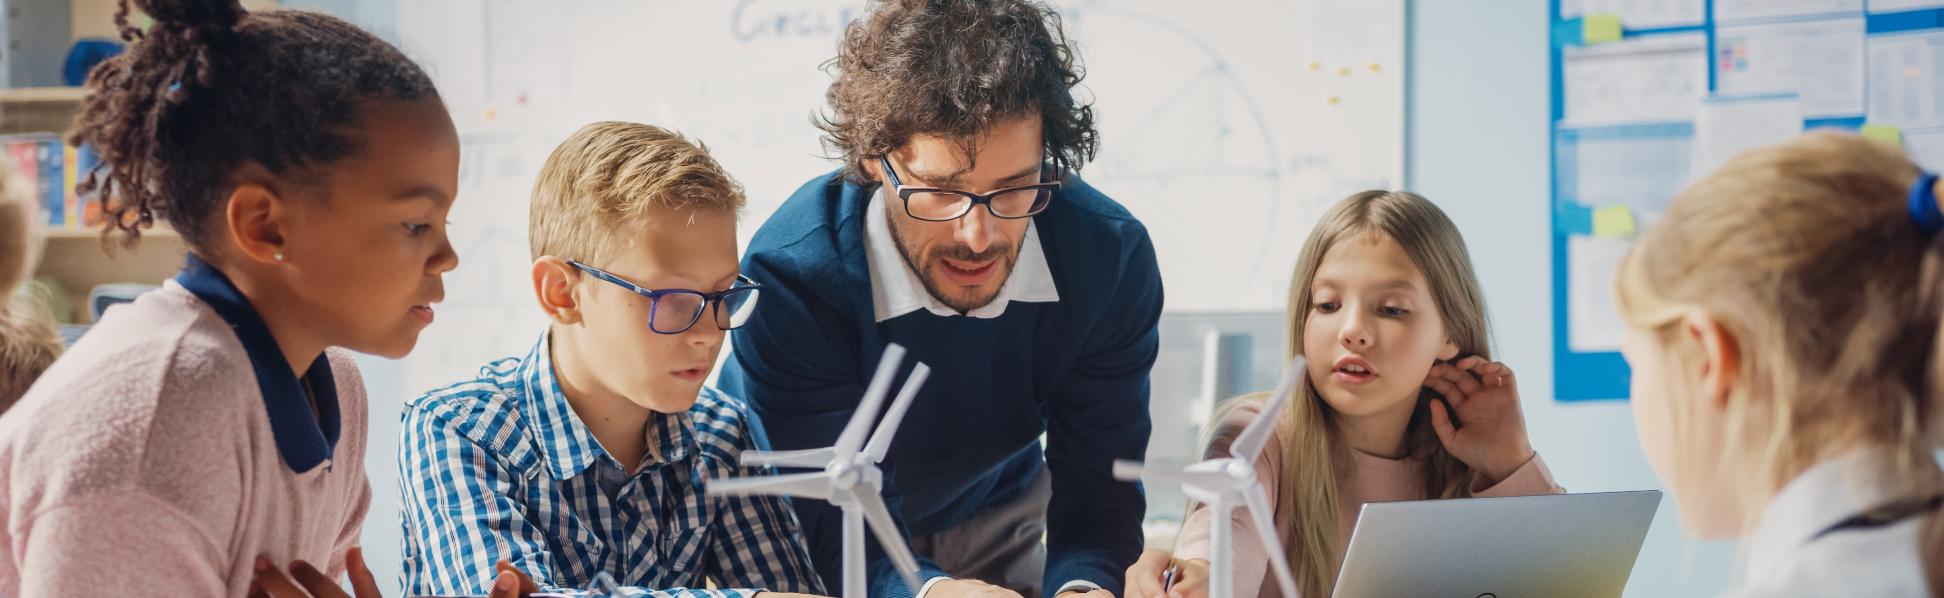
(1004, 252)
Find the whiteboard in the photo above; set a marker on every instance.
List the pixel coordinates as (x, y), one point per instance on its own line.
(1227, 132)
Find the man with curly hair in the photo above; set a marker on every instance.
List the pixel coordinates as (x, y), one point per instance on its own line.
(958, 228)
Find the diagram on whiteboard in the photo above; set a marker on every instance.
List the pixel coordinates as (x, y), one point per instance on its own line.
(1227, 140)
(1198, 138)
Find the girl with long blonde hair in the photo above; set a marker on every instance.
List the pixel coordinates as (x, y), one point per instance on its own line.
(1401, 400)
(1782, 323)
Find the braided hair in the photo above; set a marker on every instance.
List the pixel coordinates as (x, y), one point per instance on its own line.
(211, 87)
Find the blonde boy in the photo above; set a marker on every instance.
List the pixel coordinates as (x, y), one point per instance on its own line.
(588, 455)
(28, 343)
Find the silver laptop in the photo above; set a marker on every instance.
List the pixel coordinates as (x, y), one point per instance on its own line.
(1512, 547)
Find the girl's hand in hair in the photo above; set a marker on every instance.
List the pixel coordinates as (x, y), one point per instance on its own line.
(1489, 433)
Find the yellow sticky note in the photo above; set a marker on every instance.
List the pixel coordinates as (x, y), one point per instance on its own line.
(1890, 134)
(1600, 29)
(1614, 222)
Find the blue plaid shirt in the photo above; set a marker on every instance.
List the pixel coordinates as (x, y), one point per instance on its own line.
(499, 467)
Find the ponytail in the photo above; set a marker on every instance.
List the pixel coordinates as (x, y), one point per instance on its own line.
(210, 87)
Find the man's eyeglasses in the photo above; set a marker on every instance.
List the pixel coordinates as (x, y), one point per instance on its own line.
(944, 205)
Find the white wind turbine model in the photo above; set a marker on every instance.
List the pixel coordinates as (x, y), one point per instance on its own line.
(850, 479)
(1230, 482)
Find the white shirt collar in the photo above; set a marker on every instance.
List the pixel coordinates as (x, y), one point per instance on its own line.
(896, 290)
(1819, 498)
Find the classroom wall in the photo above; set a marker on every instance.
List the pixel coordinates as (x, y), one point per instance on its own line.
(1477, 145)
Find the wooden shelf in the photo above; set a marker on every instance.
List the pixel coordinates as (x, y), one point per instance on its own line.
(70, 233)
(43, 95)
(77, 260)
(39, 109)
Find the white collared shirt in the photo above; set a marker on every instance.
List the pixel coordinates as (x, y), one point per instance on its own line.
(896, 290)
(1790, 555)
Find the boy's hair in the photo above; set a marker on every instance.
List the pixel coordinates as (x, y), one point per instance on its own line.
(19, 239)
(29, 344)
(602, 183)
(28, 339)
(211, 87)
(1805, 252)
(954, 68)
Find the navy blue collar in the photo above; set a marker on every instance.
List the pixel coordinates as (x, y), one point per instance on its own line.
(302, 439)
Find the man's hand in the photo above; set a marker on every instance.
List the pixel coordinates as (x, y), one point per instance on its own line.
(969, 588)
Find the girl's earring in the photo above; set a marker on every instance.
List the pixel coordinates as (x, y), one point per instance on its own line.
(279, 256)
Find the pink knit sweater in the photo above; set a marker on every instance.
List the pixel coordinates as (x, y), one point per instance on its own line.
(144, 460)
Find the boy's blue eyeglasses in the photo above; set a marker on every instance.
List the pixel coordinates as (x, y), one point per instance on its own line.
(674, 311)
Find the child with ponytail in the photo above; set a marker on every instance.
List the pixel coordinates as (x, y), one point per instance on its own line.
(1788, 378)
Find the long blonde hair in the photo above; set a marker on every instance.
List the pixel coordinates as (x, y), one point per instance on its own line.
(1306, 497)
(1805, 253)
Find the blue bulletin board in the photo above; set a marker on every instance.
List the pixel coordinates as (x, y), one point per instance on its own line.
(1648, 95)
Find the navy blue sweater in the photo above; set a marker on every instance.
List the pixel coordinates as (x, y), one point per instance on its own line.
(1075, 370)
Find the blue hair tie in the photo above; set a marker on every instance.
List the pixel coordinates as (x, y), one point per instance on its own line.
(1923, 204)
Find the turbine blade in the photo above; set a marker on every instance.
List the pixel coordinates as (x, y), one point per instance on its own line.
(1261, 513)
(888, 429)
(818, 458)
(806, 485)
(1248, 444)
(867, 409)
(878, 518)
(1212, 481)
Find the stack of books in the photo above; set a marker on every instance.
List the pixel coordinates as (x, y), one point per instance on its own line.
(52, 169)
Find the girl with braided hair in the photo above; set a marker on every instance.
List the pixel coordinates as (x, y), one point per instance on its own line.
(208, 439)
